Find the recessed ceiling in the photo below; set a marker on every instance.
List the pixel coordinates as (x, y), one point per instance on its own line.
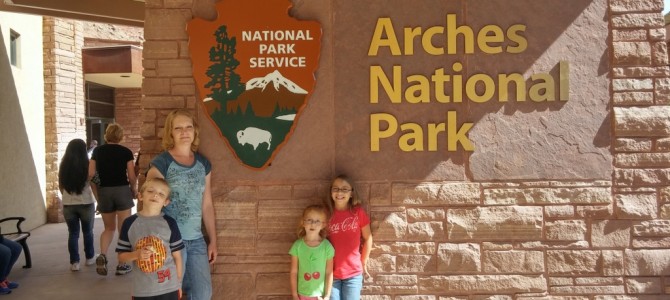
(116, 80)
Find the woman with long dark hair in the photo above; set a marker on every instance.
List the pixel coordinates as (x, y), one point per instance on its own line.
(78, 201)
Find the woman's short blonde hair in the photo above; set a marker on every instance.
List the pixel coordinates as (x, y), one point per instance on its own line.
(168, 141)
(114, 133)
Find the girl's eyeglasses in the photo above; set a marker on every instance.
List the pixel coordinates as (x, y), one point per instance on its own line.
(343, 190)
(310, 222)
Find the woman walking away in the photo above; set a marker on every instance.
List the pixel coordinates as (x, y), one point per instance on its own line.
(348, 224)
(78, 201)
(115, 165)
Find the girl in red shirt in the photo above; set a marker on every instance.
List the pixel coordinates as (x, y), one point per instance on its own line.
(348, 223)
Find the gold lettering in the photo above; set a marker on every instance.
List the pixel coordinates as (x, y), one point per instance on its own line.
(384, 26)
(452, 34)
(376, 133)
(455, 137)
(484, 39)
(471, 88)
(427, 40)
(377, 76)
(514, 34)
(564, 80)
(457, 79)
(546, 85)
(440, 80)
(442, 87)
(410, 34)
(415, 134)
(503, 85)
(418, 90)
(433, 131)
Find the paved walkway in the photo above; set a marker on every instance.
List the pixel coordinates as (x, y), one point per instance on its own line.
(50, 277)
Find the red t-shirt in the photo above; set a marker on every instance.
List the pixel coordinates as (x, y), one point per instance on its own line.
(345, 235)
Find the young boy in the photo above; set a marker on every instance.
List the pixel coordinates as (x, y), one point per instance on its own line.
(148, 238)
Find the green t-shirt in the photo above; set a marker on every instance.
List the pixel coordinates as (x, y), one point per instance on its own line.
(312, 266)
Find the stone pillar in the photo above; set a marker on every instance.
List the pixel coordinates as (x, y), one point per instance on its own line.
(168, 80)
(640, 100)
(129, 114)
(64, 101)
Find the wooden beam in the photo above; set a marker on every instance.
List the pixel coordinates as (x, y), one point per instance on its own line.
(123, 12)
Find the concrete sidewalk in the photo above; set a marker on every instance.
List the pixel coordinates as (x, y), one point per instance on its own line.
(50, 277)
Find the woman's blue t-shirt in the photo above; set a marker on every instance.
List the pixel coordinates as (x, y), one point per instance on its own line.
(187, 185)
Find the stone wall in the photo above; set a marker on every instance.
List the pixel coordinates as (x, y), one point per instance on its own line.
(64, 116)
(637, 229)
(577, 239)
(127, 113)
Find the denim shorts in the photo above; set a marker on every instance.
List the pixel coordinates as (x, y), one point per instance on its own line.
(114, 198)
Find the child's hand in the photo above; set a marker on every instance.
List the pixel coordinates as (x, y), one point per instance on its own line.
(145, 253)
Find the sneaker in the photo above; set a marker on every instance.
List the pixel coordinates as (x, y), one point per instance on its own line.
(9, 284)
(4, 287)
(91, 261)
(101, 264)
(123, 269)
(74, 267)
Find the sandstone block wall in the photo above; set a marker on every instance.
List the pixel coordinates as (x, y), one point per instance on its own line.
(64, 116)
(127, 113)
(577, 239)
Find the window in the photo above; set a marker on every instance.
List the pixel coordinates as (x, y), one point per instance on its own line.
(14, 47)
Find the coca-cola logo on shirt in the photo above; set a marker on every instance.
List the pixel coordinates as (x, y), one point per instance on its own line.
(348, 224)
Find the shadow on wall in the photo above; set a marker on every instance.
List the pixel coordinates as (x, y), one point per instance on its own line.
(21, 195)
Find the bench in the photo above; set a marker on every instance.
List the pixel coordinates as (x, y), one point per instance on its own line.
(18, 236)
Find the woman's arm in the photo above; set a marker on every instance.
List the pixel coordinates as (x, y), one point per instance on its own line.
(294, 277)
(367, 247)
(154, 173)
(130, 172)
(94, 190)
(91, 169)
(209, 219)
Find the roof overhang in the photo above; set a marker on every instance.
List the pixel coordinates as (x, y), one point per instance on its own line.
(123, 12)
(113, 66)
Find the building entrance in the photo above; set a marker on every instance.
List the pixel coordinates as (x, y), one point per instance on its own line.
(99, 111)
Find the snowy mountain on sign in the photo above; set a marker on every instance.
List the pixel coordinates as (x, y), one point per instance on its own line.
(277, 79)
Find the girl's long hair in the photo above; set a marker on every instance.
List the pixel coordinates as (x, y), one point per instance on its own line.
(314, 208)
(354, 200)
(73, 170)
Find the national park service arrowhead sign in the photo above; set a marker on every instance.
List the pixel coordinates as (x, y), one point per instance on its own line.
(254, 71)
